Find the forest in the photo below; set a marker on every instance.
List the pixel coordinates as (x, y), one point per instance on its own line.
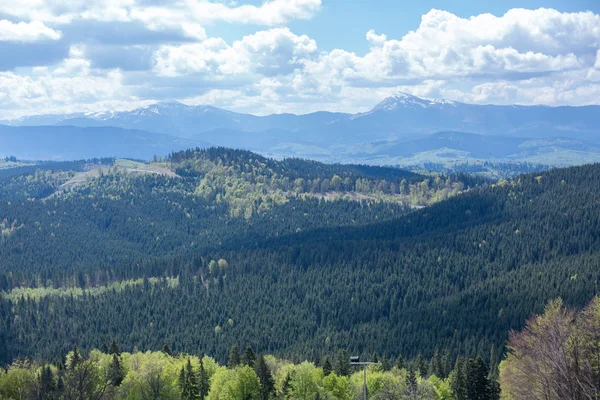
(555, 357)
(111, 374)
(293, 258)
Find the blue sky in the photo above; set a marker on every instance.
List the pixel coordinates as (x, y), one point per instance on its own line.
(343, 23)
(294, 55)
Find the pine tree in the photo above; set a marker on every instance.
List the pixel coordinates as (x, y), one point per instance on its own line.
(114, 349)
(287, 385)
(116, 373)
(458, 382)
(436, 365)
(327, 368)
(342, 363)
(234, 357)
(60, 384)
(478, 385)
(75, 358)
(182, 382)
(446, 364)
(400, 362)
(203, 381)
(166, 349)
(188, 383)
(494, 375)
(375, 358)
(267, 383)
(421, 366)
(47, 384)
(249, 358)
(386, 365)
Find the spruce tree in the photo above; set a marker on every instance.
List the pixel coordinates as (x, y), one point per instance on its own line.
(436, 365)
(267, 383)
(386, 365)
(182, 382)
(327, 368)
(446, 364)
(478, 385)
(249, 358)
(287, 385)
(203, 381)
(375, 358)
(116, 373)
(458, 382)
(76, 358)
(47, 384)
(494, 375)
(114, 349)
(188, 382)
(400, 362)
(234, 357)
(166, 349)
(421, 366)
(342, 364)
(60, 384)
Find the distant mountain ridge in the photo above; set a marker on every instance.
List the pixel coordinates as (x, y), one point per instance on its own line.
(72, 143)
(342, 137)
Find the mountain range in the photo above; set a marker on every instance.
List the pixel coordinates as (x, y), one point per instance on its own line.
(402, 129)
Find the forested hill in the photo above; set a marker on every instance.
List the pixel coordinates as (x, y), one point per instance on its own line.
(210, 248)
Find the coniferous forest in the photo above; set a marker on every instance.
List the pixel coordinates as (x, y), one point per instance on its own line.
(176, 263)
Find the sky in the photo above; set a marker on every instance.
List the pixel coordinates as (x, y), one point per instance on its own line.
(297, 56)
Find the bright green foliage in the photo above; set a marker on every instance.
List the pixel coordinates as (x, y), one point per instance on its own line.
(305, 381)
(442, 388)
(235, 384)
(338, 387)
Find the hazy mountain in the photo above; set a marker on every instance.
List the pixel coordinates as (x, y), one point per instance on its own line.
(69, 142)
(372, 136)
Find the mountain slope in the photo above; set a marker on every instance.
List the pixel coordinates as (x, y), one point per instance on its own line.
(300, 276)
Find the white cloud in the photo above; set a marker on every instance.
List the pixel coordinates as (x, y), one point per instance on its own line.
(446, 46)
(524, 56)
(26, 31)
(68, 87)
(186, 15)
(274, 52)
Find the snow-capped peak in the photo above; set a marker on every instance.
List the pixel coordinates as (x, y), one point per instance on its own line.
(402, 99)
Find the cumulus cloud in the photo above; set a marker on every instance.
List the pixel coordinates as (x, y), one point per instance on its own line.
(273, 52)
(446, 46)
(26, 31)
(70, 86)
(160, 49)
(161, 15)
